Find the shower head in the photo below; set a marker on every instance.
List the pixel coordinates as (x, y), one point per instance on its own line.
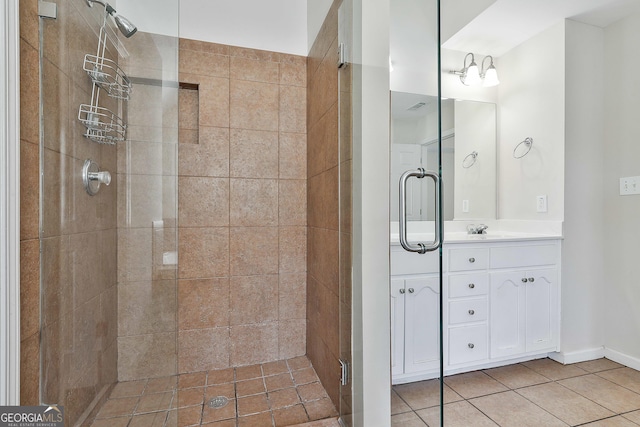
(124, 25)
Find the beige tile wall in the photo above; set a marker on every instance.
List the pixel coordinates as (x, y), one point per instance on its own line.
(242, 207)
(77, 330)
(29, 201)
(323, 346)
(147, 212)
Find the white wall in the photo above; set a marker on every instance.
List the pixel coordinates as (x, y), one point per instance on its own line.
(531, 104)
(621, 158)
(275, 25)
(583, 278)
(151, 16)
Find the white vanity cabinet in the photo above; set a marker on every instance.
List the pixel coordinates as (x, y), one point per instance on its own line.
(501, 302)
(415, 308)
(524, 300)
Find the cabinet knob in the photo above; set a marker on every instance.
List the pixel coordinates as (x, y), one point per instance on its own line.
(411, 290)
(471, 345)
(402, 291)
(531, 279)
(471, 285)
(472, 312)
(524, 280)
(472, 259)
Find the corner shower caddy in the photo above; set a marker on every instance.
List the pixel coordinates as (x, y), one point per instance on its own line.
(103, 125)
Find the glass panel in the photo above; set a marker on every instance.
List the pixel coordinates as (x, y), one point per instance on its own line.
(345, 206)
(417, 116)
(108, 260)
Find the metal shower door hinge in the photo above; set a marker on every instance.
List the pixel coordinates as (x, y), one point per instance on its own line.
(47, 9)
(344, 372)
(342, 55)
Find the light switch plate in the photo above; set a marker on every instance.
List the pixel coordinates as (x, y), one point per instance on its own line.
(465, 206)
(630, 185)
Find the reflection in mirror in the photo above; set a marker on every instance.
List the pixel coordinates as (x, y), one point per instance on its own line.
(468, 156)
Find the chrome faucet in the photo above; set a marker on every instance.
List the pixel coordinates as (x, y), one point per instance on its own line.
(477, 229)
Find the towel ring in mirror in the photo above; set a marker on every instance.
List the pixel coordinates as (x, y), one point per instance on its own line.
(528, 143)
(470, 160)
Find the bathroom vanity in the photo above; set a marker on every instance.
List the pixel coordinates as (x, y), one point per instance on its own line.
(501, 303)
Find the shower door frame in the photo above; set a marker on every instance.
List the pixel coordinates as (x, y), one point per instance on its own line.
(10, 205)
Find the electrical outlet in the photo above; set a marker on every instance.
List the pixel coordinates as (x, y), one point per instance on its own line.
(541, 203)
(465, 206)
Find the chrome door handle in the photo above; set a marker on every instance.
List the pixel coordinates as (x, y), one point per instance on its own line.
(472, 312)
(524, 280)
(411, 290)
(471, 285)
(531, 279)
(471, 345)
(420, 248)
(402, 291)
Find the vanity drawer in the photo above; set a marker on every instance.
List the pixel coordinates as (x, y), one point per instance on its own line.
(468, 285)
(524, 256)
(465, 311)
(468, 259)
(467, 344)
(403, 262)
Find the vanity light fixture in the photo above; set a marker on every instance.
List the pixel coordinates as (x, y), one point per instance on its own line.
(489, 75)
(470, 75)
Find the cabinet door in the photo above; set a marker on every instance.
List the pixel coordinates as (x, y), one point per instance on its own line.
(397, 326)
(422, 324)
(542, 309)
(508, 313)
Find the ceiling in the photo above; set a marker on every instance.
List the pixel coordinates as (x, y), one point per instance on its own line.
(505, 24)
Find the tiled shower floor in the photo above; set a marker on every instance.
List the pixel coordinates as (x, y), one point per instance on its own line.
(539, 393)
(282, 393)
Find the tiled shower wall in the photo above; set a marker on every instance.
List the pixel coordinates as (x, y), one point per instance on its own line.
(78, 234)
(241, 214)
(323, 346)
(147, 211)
(29, 202)
(242, 207)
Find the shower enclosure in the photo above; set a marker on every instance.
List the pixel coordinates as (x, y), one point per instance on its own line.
(159, 158)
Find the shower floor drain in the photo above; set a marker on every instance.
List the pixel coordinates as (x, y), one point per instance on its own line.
(218, 402)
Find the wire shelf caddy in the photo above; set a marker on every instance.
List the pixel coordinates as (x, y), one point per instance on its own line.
(103, 125)
(108, 76)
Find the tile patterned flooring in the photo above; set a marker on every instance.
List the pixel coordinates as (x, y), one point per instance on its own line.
(282, 393)
(540, 393)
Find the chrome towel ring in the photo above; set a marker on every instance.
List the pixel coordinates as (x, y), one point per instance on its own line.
(528, 142)
(470, 160)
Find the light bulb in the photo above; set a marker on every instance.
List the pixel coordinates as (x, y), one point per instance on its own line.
(472, 76)
(491, 77)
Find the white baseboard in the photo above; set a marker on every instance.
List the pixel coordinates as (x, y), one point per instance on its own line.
(616, 356)
(567, 358)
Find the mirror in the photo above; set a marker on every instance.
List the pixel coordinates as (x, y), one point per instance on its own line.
(468, 156)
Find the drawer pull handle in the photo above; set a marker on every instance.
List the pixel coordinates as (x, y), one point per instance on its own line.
(472, 312)
(471, 285)
(411, 290)
(471, 345)
(472, 260)
(402, 291)
(524, 280)
(531, 279)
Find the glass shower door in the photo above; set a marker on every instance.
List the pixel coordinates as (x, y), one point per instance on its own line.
(416, 214)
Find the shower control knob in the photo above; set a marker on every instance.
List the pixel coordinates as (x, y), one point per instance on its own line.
(472, 260)
(472, 285)
(93, 177)
(471, 345)
(472, 312)
(524, 280)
